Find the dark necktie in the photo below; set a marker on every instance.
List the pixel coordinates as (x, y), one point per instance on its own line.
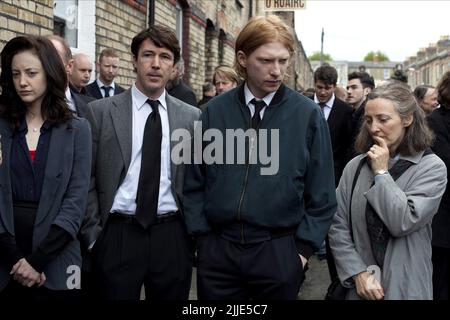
(322, 106)
(149, 176)
(259, 105)
(106, 88)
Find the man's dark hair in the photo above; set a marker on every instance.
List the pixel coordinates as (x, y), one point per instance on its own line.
(421, 91)
(162, 37)
(327, 74)
(208, 86)
(365, 78)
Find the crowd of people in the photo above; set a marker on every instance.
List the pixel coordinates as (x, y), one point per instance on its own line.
(93, 205)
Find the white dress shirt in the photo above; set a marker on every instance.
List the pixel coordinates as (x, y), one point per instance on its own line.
(125, 199)
(70, 101)
(112, 88)
(327, 107)
(249, 97)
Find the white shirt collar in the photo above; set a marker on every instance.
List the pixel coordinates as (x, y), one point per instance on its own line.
(70, 101)
(101, 84)
(140, 99)
(328, 104)
(249, 96)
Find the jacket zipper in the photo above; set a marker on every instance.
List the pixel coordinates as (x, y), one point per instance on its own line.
(244, 189)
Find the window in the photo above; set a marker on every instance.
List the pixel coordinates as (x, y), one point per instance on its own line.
(66, 20)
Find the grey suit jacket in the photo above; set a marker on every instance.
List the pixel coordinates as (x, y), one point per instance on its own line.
(63, 199)
(111, 122)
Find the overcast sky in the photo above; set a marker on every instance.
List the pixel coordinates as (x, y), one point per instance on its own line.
(353, 28)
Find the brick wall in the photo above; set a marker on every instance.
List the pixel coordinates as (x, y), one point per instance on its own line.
(25, 17)
(117, 22)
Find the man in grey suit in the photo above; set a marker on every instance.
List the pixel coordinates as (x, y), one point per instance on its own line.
(136, 232)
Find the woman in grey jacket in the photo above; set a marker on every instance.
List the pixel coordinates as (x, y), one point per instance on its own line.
(386, 251)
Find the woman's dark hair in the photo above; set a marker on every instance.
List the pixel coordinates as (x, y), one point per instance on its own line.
(54, 107)
(443, 89)
(418, 136)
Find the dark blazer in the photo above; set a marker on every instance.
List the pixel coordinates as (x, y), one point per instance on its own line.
(81, 102)
(184, 93)
(111, 122)
(94, 91)
(340, 124)
(439, 122)
(64, 195)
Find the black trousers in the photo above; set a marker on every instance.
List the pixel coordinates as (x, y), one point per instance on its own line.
(127, 256)
(441, 273)
(266, 270)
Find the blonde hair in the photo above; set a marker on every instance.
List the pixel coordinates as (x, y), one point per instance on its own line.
(226, 72)
(259, 31)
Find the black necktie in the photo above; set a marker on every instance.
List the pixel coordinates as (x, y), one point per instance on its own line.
(259, 105)
(106, 88)
(148, 186)
(322, 106)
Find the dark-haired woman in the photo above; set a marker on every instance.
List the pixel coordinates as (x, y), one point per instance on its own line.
(381, 234)
(44, 174)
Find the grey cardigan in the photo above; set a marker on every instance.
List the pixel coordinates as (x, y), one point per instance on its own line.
(406, 207)
(63, 199)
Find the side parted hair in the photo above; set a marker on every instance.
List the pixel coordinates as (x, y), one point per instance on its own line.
(228, 73)
(54, 106)
(443, 89)
(327, 74)
(365, 78)
(259, 31)
(108, 52)
(418, 136)
(421, 91)
(162, 37)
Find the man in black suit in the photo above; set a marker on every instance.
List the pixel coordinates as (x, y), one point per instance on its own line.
(338, 115)
(107, 68)
(177, 88)
(339, 118)
(77, 102)
(439, 122)
(80, 74)
(359, 85)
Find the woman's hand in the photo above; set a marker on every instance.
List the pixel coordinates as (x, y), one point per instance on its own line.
(25, 274)
(367, 287)
(379, 155)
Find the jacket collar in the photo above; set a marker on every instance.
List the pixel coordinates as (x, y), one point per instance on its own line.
(276, 98)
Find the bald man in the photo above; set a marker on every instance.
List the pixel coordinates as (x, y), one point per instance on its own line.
(76, 102)
(81, 72)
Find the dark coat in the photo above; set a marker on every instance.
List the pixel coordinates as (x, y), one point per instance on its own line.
(63, 199)
(340, 124)
(243, 202)
(81, 102)
(183, 92)
(439, 122)
(94, 91)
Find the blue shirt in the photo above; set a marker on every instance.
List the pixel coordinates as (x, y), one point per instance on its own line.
(27, 177)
